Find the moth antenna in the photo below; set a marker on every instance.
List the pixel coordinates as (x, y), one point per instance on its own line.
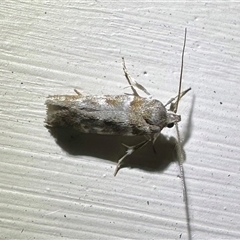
(182, 175)
(181, 72)
(179, 146)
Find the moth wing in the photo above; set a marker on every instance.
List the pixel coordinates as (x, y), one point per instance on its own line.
(110, 115)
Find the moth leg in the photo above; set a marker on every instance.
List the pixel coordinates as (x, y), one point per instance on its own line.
(129, 151)
(153, 140)
(77, 92)
(173, 104)
(132, 82)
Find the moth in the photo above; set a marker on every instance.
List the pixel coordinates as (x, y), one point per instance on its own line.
(127, 115)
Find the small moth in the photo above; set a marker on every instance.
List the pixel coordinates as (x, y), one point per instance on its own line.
(127, 115)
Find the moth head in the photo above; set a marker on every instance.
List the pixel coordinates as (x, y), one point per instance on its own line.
(172, 118)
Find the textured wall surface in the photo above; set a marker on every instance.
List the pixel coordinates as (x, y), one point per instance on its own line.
(62, 184)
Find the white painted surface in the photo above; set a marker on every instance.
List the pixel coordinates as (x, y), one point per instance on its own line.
(49, 190)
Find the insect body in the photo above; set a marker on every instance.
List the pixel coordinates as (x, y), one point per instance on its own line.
(128, 115)
(109, 115)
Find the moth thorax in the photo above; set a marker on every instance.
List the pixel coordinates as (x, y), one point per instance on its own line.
(155, 113)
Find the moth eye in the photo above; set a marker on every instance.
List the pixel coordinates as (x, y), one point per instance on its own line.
(170, 125)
